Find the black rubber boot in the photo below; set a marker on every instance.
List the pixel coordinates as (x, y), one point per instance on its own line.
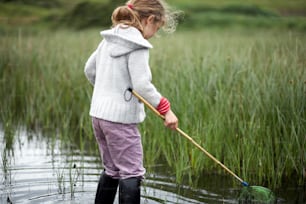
(129, 191)
(107, 189)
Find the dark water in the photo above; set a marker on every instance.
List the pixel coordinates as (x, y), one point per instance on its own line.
(35, 169)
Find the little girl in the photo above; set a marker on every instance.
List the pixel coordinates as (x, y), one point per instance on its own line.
(120, 62)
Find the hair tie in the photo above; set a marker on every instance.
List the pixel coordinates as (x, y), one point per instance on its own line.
(130, 6)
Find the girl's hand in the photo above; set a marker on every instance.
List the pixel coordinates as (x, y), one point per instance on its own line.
(171, 120)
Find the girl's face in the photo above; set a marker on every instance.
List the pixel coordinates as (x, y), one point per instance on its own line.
(150, 27)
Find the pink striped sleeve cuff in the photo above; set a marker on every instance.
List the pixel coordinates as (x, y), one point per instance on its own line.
(163, 106)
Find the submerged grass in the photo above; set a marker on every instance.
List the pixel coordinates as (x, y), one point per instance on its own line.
(240, 94)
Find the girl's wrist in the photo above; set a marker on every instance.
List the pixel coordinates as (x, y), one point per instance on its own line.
(163, 106)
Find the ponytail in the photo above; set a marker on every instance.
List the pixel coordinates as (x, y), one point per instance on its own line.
(125, 15)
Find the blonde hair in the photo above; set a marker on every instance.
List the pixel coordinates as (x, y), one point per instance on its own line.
(134, 11)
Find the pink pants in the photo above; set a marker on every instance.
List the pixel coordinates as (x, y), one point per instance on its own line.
(120, 148)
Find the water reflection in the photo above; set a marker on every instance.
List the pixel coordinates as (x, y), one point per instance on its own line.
(37, 169)
(33, 171)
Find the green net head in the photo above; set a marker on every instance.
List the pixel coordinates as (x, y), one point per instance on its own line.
(256, 195)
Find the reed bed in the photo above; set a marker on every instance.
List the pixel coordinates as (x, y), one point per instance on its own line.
(240, 94)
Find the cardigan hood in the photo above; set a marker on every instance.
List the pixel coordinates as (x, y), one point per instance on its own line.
(123, 40)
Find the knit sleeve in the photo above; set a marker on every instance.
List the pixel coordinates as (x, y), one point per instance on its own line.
(90, 68)
(140, 74)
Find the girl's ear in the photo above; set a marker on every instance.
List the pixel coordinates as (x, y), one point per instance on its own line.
(151, 19)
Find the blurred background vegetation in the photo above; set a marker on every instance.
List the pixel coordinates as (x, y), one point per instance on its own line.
(81, 14)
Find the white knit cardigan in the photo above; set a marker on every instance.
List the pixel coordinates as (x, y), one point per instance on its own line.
(121, 61)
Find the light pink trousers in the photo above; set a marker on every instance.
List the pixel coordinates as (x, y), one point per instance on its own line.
(120, 148)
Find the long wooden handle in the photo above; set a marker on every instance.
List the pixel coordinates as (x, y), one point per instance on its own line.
(188, 138)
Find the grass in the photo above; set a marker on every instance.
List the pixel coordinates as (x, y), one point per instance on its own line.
(239, 93)
(33, 96)
(235, 96)
(61, 174)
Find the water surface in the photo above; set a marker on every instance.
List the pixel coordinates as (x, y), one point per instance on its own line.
(37, 169)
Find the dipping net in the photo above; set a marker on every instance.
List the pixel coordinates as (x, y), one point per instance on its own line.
(256, 195)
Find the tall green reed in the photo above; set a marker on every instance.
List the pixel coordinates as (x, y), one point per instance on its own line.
(239, 94)
(42, 83)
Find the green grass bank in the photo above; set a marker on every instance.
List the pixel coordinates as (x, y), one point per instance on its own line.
(198, 14)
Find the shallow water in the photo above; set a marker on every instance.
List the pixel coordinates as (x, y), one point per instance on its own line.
(35, 169)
